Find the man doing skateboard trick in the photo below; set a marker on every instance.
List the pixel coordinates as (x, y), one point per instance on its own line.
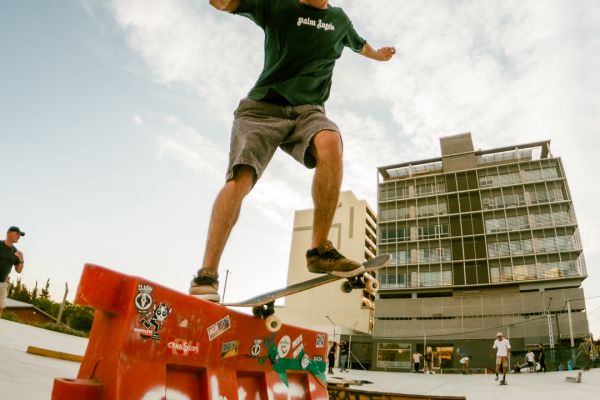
(303, 40)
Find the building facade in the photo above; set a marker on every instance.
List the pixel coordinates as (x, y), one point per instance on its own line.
(482, 241)
(354, 234)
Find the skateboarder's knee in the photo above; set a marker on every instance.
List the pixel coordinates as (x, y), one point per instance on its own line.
(327, 145)
(244, 178)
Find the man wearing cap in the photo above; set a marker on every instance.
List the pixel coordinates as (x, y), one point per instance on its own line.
(502, 347)
(9, 256)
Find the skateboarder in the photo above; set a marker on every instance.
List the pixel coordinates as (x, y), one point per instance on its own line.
(303, 39)
(9, 256)
(502, 347)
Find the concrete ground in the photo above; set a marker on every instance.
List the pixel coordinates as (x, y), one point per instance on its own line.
(28, 377)
(524, 386)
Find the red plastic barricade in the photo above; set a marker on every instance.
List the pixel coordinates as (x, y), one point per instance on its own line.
(151, 342)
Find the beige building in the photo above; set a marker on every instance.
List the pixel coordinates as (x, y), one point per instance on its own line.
(353, 233)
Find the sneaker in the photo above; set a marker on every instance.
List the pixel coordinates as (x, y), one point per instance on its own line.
(325, 259)
(206, 285)
(496, 379)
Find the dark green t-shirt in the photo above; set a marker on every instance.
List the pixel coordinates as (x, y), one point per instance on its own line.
(302, 44)
(7, 260)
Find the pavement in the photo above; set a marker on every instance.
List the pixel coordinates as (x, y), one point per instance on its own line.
(29, 377)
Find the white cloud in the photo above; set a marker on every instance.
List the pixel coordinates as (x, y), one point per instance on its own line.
(194, 150)
(185, 43)
(137, 120)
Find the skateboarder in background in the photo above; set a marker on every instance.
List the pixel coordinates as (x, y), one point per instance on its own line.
(303, 39)
(502, 347)
(9, 256)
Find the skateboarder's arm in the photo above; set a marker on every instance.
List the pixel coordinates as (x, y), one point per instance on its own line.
(382, 54)
(225, 5)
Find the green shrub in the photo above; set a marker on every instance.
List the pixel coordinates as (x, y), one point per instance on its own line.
(10, 316)
(62, 329)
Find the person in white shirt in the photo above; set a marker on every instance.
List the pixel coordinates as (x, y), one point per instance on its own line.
(417, 360)
(464, 363)
(502, 347)
(530, 360)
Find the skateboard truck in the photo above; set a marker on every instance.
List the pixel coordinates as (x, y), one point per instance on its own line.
(267, 312)
(363, 281)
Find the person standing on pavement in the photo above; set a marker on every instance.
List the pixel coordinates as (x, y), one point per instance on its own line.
(502, 347)
(343, 356)
(464, 364)
(584, 351)
(542, 358)
(530, 357)
(9, 257)
(427, 366)
(331, 357)
(417, 360)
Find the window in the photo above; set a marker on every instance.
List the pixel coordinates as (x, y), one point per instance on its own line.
(549, 173)
(495, 225)
(431, 231)
(516, 223)
(487, 181)
(401, 257)
(561, 218)
(393, 355)
(425, 189)
(524, 272)
(509, 178)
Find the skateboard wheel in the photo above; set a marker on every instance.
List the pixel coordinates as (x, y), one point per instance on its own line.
(346, 286)
(273, 323)
(371, 284)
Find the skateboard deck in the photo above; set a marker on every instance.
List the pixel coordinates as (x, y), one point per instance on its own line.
(361, 280)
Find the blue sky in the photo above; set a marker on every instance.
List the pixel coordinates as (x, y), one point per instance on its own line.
(115, 118)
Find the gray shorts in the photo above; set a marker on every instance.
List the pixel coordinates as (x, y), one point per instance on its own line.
(259, 128)
(3, 293)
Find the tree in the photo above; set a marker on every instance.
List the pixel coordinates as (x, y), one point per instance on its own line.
(45, 293)
(80, 317)
(34, 292)
(20, 292)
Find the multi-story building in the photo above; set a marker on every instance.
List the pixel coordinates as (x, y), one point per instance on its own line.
(482, 241)
(354, 233)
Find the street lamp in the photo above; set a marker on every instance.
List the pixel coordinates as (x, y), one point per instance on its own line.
(350, 346)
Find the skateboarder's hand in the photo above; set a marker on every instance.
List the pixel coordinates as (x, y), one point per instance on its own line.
(19, 255)
(383, 54)
(386, 53)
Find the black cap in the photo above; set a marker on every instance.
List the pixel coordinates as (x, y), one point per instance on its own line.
(16, 229)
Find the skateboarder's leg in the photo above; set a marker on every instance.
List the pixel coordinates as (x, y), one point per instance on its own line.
(504, 368)
(225, 212)
(327, 180)
(326, 147)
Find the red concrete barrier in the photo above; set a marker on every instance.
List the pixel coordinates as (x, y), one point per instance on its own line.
(150, 342)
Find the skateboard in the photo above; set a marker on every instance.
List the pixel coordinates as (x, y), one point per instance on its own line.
(263, 305)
